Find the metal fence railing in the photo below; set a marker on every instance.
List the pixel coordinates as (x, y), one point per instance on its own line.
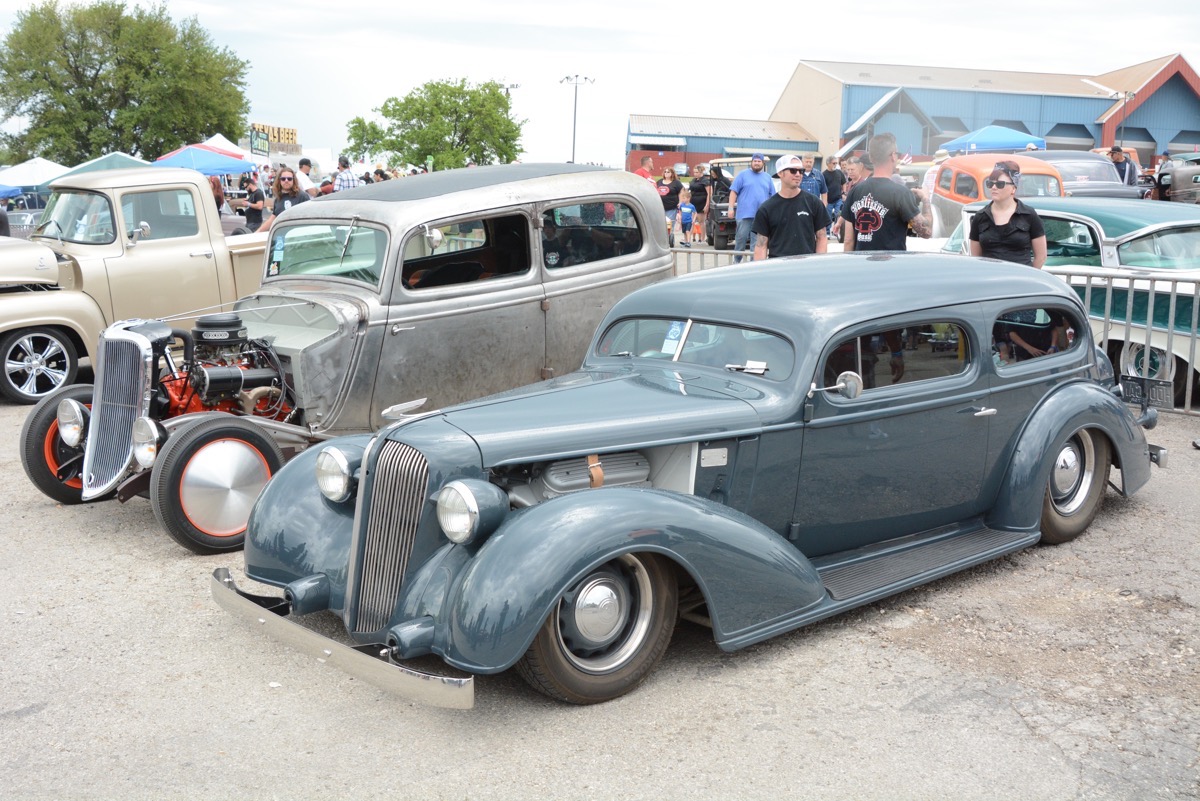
(1145, 320)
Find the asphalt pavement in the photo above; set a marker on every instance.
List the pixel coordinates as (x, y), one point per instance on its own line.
(1064, 672)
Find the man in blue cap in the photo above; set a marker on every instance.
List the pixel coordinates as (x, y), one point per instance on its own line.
(750, 188)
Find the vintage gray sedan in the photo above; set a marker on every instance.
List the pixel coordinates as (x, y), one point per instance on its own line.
(433, 289)
(753, 448)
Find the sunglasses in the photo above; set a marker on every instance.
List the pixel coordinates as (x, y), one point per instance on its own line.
(286, 178)
(793, 170)
(997, 183)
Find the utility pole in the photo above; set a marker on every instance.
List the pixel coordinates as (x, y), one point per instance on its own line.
(575, 81)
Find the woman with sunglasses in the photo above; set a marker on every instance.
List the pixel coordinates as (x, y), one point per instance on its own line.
(287, 193)
(1006, 228)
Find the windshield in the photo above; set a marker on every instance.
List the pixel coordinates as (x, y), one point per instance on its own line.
(334, 250)
(84, 217)
(1039, 186)
(725, 347)
(1169, 249)
(1087, 171)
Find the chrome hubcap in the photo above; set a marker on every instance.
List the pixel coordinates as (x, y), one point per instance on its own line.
(599, 610)
(36, 360)
(1066, 471)
(220, 484)
(1073, 474)
(605, 619)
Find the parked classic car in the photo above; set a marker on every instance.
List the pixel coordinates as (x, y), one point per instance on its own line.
(436, 288)
(1127, 235)
(960, 180)
(1086, 174)
(735, 450)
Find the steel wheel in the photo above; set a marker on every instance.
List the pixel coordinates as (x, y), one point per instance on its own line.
(37, 361)
(606, 633)
(1078, 478)
(52, 465)
(207, 478)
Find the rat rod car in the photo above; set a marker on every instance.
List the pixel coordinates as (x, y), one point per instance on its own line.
(728, 453)
(443, 287)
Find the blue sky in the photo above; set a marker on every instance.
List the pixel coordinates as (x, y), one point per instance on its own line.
(316, 65)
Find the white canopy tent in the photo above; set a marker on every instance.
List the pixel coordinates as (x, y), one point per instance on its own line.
(34, 172)
(221, 141)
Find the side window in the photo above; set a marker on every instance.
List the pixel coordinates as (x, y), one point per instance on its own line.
(1171, 248)
(921, 352)
(586, 232)
(1039, 186)
(966, 185)
(1031, 332)
(946, 179)
(1072, 241)
(170, 213)
(466, 251)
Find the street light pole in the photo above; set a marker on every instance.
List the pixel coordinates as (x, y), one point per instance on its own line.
(575, 80)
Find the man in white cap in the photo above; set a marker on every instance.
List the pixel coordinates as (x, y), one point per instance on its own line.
(792, 221)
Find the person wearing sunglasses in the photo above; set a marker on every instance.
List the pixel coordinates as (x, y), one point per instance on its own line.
(1006, 228)
(792, 221)
(287, 193)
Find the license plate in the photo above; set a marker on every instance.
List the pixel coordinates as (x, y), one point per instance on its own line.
(1160, 393)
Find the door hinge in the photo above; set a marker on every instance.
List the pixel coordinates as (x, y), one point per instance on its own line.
(545, 304)
(547, 373)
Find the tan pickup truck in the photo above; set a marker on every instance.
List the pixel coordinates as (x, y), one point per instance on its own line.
(112, 245)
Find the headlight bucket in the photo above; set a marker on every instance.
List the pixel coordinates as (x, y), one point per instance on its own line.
(148, 438)
(468, 510)
(73, 419)
(335, 473)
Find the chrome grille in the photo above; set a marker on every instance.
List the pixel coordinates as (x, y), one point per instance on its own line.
(399, 488)
(118, 400)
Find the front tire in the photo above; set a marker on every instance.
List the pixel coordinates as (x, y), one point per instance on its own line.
(37, 361)
(43, 453)
(606, 633)
(207, 478)
(1075, 491)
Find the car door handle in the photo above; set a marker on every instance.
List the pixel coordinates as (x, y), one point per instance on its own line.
(984, 412)
(208, 254)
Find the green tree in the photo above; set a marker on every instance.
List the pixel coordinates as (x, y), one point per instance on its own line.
(450, 122)
(93, 79)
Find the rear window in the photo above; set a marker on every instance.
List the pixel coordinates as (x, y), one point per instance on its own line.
(1039, 186)
(1168, 249)
(965, 185)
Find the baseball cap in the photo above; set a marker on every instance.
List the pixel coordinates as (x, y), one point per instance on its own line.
(758, 156)
(786, 161)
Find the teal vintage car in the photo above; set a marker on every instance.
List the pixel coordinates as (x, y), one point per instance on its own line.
(1132, 237)
(752, 448)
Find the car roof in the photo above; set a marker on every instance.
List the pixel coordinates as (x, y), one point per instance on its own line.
(1066, 155)
(427, 185)
(1117, 217)
(811, 297)
(982, 163)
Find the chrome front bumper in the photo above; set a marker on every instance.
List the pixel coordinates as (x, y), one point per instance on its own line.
(367, 662)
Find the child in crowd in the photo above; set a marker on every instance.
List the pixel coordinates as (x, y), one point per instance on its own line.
(687, 214)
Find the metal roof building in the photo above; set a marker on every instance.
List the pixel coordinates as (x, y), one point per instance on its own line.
(695, 139)
(1153, 106)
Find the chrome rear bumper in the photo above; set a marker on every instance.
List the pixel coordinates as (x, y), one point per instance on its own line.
(367, 662)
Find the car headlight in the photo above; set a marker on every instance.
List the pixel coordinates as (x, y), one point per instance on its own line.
(73, 419)
(469, 510)
(335, 474)
(148, 438)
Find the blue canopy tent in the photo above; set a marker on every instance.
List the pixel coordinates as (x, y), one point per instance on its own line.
(205, 161)
(9, 191)
(994, 139)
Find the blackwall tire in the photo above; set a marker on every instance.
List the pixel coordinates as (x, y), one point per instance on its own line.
(606, 633)
(36, 362)
(206, 479)
(43, 452)
(1076, 487)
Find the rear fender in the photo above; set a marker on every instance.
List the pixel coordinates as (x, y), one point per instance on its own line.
(748, 574)
(1071, 408)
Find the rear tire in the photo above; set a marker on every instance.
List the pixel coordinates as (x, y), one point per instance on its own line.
(43, 453)
(207, 478)
(1076, 487)
(721, 242)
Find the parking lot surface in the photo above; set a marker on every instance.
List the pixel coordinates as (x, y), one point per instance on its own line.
(1066, 672)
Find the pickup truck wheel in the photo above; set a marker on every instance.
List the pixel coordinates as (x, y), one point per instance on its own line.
(1078, 479)
(206, 479)
(606, 633)
(52, 465)
(37, 361)
(721, 242)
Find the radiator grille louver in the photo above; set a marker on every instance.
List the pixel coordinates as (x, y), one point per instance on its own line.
(399, 489)
(116, 403)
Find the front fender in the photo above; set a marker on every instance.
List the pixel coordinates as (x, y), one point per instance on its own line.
(73, 311)
(748, 574)
(1071, 408)
(294, 531)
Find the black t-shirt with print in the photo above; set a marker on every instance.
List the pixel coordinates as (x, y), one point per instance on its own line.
(879, 209)
(791, 224)
(699, 188)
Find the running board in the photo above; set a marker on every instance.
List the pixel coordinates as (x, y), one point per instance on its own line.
(914, 562)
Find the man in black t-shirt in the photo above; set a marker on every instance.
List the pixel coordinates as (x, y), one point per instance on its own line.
(880, 210)
(790, 222)
(255, 200)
